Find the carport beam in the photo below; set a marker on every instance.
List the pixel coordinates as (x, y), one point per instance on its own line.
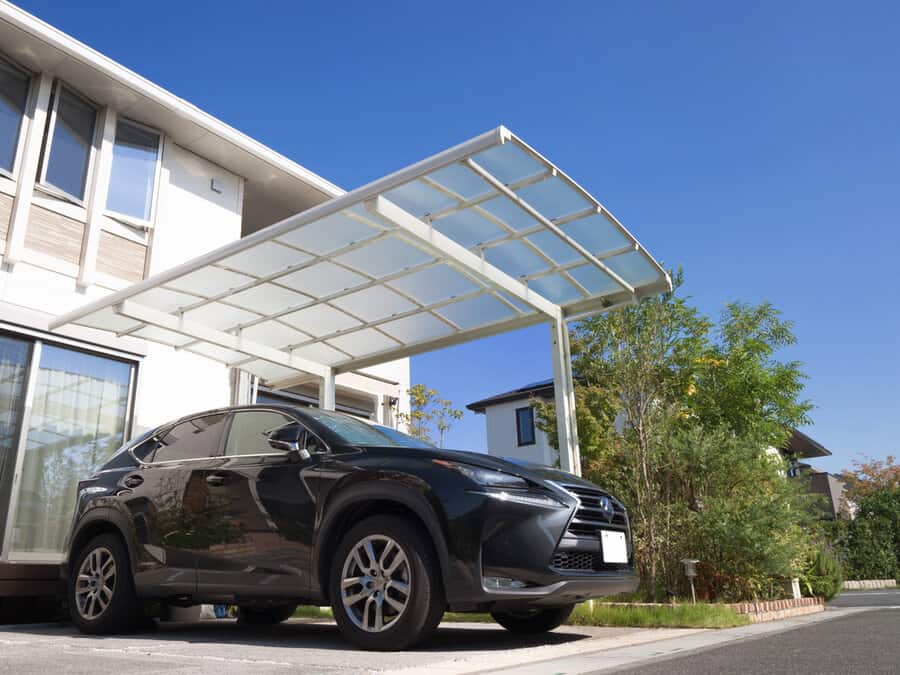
(564, 392)
(326, 390)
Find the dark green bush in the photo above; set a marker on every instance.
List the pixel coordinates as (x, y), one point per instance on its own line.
(823, 577)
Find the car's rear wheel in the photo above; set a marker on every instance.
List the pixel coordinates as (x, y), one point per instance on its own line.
(385, 584)
(265, 616)
(101, 591)
(534, 621)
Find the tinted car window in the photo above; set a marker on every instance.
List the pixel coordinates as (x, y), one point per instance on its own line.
(140, 446)
(356, 432)
(196, 438)
(248, 432)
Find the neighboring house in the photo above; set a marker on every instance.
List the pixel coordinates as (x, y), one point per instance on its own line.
(511, 432)
(801, 447)
(106, 178)
(511, 428)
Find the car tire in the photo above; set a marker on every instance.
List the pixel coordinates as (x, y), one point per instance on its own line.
(400, 596)
(265, 616)
(532, 622)
(101, 591)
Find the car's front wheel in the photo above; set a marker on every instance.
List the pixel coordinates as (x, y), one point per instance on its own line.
(101, 594)
(385, 584)
(534, 621)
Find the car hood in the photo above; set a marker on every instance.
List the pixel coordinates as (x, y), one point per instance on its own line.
(537, 473)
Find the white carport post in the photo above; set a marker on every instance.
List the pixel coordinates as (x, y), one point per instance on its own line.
(564, 391)
(326, 390)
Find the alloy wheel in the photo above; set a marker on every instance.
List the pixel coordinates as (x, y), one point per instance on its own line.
(375, 583)
(96, 583)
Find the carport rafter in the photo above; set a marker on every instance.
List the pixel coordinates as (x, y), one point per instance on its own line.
(197, 331)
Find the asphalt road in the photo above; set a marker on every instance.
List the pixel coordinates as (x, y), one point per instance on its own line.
(863, 642)
(889, 597)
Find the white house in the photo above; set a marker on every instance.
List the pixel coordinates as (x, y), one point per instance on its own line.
(511, 428)
(106, 178)
(157, 262)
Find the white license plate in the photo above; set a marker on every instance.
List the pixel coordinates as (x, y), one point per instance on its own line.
(615, 550)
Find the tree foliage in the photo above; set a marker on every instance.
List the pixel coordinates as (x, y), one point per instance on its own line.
(869, 545)
(677, 414)
(429, 413)
(823, 576)
(871, 475)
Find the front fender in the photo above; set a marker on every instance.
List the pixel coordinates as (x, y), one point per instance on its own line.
(355, 489)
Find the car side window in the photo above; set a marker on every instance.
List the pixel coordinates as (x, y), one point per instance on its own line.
(248, 432)
(197, 438)
(314, 445)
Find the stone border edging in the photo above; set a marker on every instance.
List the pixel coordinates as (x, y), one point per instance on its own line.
(772, 610)
(766, 610)
(863, 584)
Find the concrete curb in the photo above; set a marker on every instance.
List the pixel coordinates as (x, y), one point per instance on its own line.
(865, 584)
(773, 610)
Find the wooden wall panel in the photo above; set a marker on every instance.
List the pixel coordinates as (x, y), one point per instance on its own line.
(5, 214)
(121, 257)
(53, 234)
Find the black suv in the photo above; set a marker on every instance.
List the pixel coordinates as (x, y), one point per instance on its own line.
(268, 507)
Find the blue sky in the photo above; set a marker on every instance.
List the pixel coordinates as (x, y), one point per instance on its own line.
(755, 144)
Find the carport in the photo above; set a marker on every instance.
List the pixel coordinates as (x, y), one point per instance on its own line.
(483, 238)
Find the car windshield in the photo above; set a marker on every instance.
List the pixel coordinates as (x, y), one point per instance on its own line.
(353, 431)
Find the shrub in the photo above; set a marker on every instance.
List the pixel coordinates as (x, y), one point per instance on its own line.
(823, 577)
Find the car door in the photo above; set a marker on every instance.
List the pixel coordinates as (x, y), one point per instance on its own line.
(170, 504)
(268, 500)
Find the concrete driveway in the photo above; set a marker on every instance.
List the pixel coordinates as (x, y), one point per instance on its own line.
(314, 647)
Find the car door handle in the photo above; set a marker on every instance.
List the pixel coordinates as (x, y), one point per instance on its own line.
(133, 480)
(216, 479)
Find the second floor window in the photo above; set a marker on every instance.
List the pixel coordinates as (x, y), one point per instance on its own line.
(133, 177)
(13, 98)
(525, 426)
(70, 143)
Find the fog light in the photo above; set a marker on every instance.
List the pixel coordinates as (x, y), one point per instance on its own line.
(502, 583)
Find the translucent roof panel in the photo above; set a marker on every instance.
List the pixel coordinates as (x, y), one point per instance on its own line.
(484, 237)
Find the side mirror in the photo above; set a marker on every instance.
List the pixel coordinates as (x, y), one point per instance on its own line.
(288, 439)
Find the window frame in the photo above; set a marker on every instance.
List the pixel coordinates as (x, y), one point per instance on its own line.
(38, 340)
(233, 416)
(519, 442)
(123, 218)
(162, 431)
(12, 175)
(52, 190)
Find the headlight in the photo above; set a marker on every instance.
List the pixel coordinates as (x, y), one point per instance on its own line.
(503, 486)
(486, 477)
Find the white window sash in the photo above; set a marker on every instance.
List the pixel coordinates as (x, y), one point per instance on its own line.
(58, 88)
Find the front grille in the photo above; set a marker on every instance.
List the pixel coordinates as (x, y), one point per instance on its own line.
(577, 562)
(590, 517)
(580, 549)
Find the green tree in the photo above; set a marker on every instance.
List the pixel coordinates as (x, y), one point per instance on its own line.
(676, 414)
(426, 410)
(869, 544)
(871, 475)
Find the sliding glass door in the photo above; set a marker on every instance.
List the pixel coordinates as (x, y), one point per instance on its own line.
(75, 414)
(14, 355)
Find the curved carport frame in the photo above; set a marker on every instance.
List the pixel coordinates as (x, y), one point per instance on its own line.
(483, 238)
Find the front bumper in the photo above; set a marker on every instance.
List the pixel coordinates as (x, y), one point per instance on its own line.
(566, 591)
(500, 538)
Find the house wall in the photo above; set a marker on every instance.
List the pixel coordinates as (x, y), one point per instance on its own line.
(52, 272)
(191, 220)
(502, 440)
